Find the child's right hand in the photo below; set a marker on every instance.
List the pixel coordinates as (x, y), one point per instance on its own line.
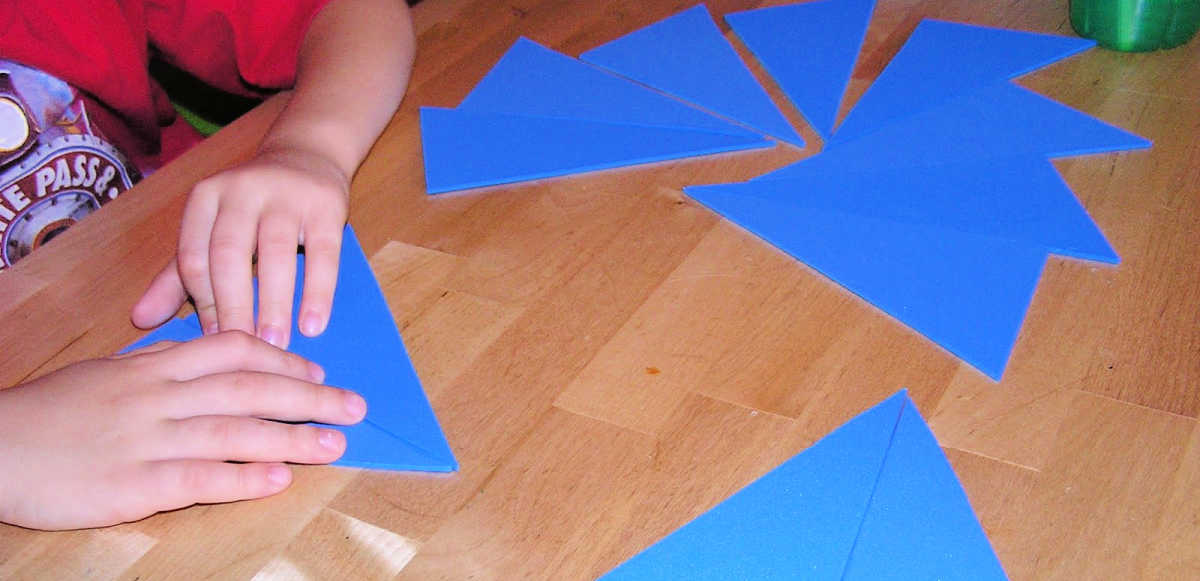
(115, 440)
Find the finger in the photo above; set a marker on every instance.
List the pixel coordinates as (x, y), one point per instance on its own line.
(231, 351)
(263, 395)
(277, 243)
(178, 483)
(244, 439)
(231, 259)
(195, 232)
(322, 247)
(162, 298)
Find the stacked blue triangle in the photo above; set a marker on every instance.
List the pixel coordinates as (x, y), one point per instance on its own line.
(465, 149)
(687, 56)
(853, 502)
(809, 49)
(965, 291)
(362, 350)
(539, 113)
(998, 120)
(535, 81)
(942, 60)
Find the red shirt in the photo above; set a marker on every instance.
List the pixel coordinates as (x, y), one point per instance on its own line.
(102, 48)
(77, 103)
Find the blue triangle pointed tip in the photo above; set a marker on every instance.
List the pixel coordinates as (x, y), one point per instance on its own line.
(942, 60)
(931, 279)
(829, 513)
(809, 49)
(686, 55)
(919, 493)
(801, 516)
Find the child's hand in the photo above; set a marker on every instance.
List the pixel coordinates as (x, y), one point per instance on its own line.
(115, 440)
(282, 198)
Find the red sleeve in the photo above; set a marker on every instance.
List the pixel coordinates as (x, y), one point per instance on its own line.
(239, 46)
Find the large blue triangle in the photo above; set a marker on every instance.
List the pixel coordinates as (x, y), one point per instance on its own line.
(686, 55)
(874, 492)
(943, 60)
(920, 524)
(809, 49)
(1020, 198)
(997, 120)
(966, 292)
(464, 149)
(362, 350)
(799, 521)
(533, 80)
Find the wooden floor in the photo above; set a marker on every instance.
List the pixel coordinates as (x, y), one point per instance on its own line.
(609, 359)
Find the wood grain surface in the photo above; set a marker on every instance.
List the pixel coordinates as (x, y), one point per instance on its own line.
(609, 359)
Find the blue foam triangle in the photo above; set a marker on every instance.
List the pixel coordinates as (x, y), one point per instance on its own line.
(920, 524)
(943, 60)
(686, 55)
(966, 292)
(362, 350)
(809, 49)
(464, 149)
(1019, 198)
(533, 80)
(798, 521)
(997, 120)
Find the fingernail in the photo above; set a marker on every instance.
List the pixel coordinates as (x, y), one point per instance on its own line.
(328, 439)
(356, 405)
(279, 475)
(271, 334)
(311, 324)
(212, 329)
(315, 372)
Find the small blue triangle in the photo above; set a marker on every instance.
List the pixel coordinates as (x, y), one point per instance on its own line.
(920, 524)
(943, 60)
(362, 350)
(464, 150)
(809, 49)
(798, 521)
(534, 81)
(997, 120)
(1019, 198)
(686, 55)
(966, 292)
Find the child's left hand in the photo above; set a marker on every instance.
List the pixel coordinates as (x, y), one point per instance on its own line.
(283, 198)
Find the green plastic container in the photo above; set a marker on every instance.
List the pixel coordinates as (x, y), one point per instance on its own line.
(1136, 25)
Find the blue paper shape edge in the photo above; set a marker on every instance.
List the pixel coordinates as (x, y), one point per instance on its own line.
(964, 291)
(535, 81)
(361, 350)
(943, 60)
(809, 49)
(857, 504)
(686, 55)
(468, 149)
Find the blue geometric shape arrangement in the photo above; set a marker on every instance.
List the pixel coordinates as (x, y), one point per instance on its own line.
(809, 49)
(942, 60)
(464, 149)
(535, 81)
(686, 55)
(1019, 198)
(964, 291)
(875, 499)
(362, 350)
(998, 120)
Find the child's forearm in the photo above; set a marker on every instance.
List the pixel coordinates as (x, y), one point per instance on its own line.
(353, 70)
